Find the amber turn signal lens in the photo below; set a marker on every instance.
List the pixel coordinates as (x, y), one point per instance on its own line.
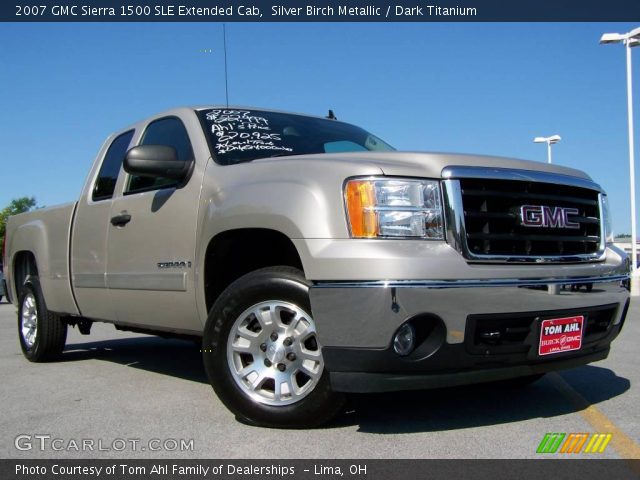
(361, 200)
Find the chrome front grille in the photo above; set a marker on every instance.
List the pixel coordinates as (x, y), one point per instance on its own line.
(499, 215)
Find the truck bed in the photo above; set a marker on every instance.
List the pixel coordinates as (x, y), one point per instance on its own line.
(45, 232)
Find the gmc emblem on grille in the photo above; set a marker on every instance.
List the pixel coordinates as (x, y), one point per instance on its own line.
(548, 217)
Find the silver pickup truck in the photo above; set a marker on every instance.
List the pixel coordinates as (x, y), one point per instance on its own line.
(312, 259)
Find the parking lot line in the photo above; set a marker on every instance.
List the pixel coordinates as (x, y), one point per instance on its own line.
(624, 445)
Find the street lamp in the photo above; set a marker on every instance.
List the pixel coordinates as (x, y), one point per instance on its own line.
(630, 39)
(549, 141)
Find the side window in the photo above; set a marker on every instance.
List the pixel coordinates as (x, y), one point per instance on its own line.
(168, 131)
(108, 174)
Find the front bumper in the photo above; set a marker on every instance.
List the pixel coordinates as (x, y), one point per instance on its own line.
(356, 322)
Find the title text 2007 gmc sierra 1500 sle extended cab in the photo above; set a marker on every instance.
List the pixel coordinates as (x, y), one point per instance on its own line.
(313, 259)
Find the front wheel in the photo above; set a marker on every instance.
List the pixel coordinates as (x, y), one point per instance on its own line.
(262, 354)
(42, 333)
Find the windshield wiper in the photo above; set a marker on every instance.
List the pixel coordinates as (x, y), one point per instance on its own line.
(279, 154)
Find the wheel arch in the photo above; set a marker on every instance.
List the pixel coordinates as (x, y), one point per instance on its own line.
(24, 265)
(234, 253)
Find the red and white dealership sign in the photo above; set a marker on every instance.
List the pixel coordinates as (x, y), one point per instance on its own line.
(561, 335)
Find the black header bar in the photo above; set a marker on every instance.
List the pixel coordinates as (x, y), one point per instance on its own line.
(321, 11)
(357, 469)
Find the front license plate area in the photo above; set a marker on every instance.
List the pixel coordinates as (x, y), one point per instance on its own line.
(559, 335)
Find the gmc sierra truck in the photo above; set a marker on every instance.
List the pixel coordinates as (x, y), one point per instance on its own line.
(312, 259)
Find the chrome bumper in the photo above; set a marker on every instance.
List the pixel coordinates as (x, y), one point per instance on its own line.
(367, 314)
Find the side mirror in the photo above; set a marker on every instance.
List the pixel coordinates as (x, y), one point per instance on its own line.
(155, 161)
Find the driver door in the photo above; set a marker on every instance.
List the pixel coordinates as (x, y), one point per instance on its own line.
(152, 239)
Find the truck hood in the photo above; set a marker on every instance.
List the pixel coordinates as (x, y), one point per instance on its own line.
(423, 164)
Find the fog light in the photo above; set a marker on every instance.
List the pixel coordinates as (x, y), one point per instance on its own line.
(404, 340)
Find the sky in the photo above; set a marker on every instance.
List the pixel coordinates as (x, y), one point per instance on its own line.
(486, 88)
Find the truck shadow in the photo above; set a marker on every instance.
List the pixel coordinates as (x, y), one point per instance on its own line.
(175, 358)
(483, 404)
(387, 413)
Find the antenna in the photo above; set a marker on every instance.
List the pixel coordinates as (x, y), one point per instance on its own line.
(226, 81)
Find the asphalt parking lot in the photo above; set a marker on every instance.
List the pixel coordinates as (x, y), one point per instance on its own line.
(118, 386)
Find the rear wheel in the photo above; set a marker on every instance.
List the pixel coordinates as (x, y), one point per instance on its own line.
(42, 334)
(262, 354)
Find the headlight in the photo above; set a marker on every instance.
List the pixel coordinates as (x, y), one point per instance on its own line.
(606, 219)
(394, 208)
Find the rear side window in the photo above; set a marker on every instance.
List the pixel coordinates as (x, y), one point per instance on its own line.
(168, 131)
(108, 175)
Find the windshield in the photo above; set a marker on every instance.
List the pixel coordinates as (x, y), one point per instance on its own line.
(244, 135)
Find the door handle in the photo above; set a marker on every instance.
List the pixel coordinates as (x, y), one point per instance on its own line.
(120, 220)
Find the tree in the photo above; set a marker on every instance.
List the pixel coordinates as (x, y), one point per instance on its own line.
(17, 205)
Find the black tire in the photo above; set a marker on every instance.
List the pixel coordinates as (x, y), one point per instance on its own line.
(50, 332)
(283, 284)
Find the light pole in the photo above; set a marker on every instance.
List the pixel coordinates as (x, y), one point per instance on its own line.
(549, 141)
(630, 39)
